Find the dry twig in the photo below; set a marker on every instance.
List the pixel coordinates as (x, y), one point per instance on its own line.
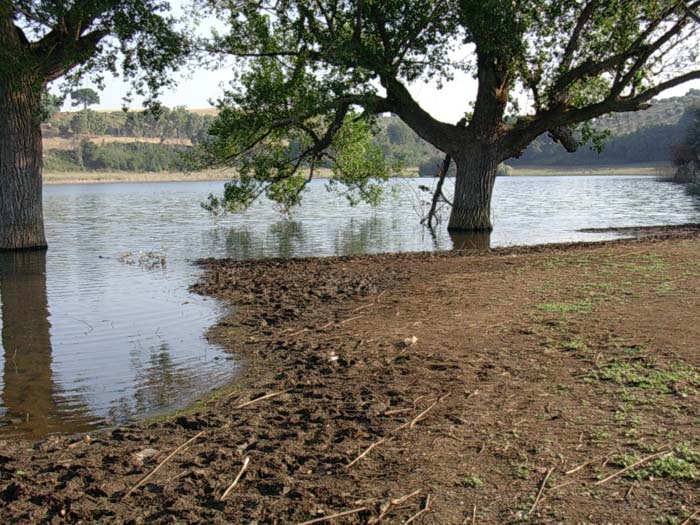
(393, 503)
(539, 492)
(333, 516)
(426, 508)
(690, 518)
(351, 319)
(425, 412)
(160, 465)
(262, 398)
(246, 461)
(367, 451)
(579, 467)
(634, 465)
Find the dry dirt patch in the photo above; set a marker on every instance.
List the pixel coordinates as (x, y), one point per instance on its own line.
(517, 384)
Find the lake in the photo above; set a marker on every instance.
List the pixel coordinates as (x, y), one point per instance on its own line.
(102, 329)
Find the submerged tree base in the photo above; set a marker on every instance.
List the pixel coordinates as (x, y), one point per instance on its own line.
(454, 376)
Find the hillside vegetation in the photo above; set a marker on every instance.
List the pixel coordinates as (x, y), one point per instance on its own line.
(142, 142)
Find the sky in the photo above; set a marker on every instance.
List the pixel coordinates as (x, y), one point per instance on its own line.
(447, 104)
(199, 88)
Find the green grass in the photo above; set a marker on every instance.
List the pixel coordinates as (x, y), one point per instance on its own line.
(682, 463)
(579, 306)
(678, 378)
(472, 482)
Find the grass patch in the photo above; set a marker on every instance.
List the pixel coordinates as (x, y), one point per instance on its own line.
(678, 379)
(472, 482)
(683, 463)
(579, 306)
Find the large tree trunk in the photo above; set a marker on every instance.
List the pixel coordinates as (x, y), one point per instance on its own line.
(21, 214)
(471, 206)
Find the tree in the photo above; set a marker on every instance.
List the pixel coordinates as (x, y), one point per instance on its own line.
(307, 69)
(41, 41)
(85, 96)
(50, 105)
(692, 139)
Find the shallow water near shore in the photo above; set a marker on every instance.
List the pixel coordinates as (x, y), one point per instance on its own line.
(89, 340)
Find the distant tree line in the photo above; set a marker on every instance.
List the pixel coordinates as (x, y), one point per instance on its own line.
(176, 123)
(630, 141)
(650, 144)
(116, 156)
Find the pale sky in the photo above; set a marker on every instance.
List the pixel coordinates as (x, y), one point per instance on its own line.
(201, 86)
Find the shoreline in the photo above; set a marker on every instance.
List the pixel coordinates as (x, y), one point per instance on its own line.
(509, 378)
(98, 177)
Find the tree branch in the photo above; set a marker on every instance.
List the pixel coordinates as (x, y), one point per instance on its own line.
(67, 55)
(528, 129)
(689, 11)
(446, 137)
(573, 44)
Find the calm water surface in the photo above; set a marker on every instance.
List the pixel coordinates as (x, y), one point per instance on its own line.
(89, 340)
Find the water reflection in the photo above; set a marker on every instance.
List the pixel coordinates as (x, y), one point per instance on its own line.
(470, 240)
(88, 340)
(29, 393)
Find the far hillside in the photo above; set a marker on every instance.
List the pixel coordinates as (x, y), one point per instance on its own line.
(139, 141)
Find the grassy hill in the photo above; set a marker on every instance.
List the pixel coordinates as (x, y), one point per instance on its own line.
(116, 141)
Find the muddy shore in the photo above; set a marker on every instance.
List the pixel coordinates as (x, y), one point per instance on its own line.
(512, 386)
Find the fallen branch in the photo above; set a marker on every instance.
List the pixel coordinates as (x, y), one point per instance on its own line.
(410, 424)
(268, 396)
(333, 516)
(579, 467)
(634, 465)
(690, 518)
(363, 307)
(540, 491)
(160, 465)
(391, 505)
(425, 412)
(246, 461)
(351, 319)
(426, 508)
(367, 451)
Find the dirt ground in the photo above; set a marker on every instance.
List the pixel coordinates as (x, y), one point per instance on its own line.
(513, 386)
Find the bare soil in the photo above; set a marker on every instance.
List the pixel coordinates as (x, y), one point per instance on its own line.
(452, 388)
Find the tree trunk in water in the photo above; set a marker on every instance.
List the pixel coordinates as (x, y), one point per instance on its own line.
(28, 386)
(471, 206)
(21, 214)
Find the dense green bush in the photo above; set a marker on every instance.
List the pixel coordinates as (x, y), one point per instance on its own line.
(177, 123)
(132, 156)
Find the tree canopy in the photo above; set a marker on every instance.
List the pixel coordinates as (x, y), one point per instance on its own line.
(308, 69)
(48, 40)
(44, 40)
(84, 97)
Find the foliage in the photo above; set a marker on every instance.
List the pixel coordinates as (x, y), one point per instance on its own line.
(175, 123)
(133, 156)
(304, 68)
(85, 97)
(273, 166)
(682, 463)
(50, 105)
(647, 377)
(50, 40)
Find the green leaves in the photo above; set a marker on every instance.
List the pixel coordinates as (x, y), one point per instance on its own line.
(359, 165)
(311, 75)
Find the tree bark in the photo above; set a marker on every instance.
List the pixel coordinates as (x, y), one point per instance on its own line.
(21, 213)
(471, 205)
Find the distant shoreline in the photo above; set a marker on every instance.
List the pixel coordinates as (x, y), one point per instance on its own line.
(52, 178)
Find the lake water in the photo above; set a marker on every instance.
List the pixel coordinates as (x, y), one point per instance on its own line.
(90, 340)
